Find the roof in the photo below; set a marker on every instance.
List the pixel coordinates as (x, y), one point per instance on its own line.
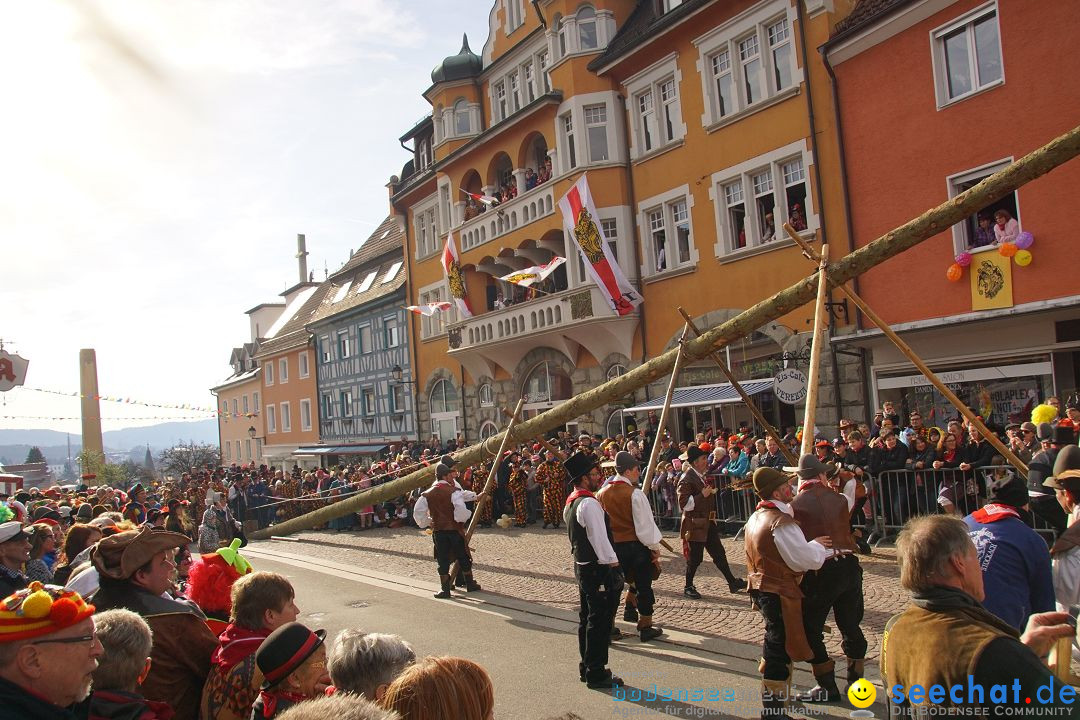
(864, 13)
(366, 284)
(389, 236)
(466, 64)
(291, 334)
(643, 22)
(236, 379)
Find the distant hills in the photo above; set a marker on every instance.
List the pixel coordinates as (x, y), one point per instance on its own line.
(14, 444)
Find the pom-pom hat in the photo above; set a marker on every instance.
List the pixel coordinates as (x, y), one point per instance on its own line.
(40, 610)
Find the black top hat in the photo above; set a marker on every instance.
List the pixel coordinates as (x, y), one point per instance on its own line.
(1064, 435)
(447, 461)
(692, 453)
(286, 649)
(579, 464)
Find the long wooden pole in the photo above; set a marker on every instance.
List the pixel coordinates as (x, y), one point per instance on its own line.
(747, 400)
(486, 497)
(650, 466)
(821, 312)
(906, 350)
(931, 223)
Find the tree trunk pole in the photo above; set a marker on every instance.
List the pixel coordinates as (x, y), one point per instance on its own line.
(650, 467)
(482, 502)
(906, 350)
(931, 223)
(715, 355)
(820, 322)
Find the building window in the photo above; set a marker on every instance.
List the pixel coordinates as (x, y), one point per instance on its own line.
(750, 61)
(586, 25)
(324, 346)
(305, 414)
(967, 55)
(247, 445)
(346, 403)
(435, 325)
(616, 371)
(977, 230)
(256, 398)
(568, 136)
(423, 154)
(393, 332)
(610, 228)
(364, 335)
(596, 132)
(328, 406)
(542, 61)
(286, 418)
(426, 233)
(343, 344)
(515, 93)
(486, 395)
(228, 451)
(367, 401)
(670, 221)
(444, 406)
(725, 90)
(283, 371)
(736, 213)
(779, 35)
(235, 408)
(271, 419)
(498, 109)
(397, 399)
(462, 124)
(530, 82)
(514, 15)
(488, 429)
(268, 372)
(669, 101)
(246, 407)
(560, 28)
(258, 447)
(646, 120)
(615, 425)
(305, 370)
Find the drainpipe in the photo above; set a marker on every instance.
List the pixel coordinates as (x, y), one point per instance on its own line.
(834, 364)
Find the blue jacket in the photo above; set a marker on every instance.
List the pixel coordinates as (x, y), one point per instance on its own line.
(1015, 566)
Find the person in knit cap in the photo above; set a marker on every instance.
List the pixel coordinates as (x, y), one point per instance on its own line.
(48, 652)
(292, 660)
(777, 555)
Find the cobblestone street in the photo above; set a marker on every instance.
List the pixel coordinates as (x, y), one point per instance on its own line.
(533, 564)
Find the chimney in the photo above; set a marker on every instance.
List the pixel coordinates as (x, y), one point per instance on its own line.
(301, 255)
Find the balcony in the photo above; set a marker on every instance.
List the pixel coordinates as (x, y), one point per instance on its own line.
(563, 321)
(509, 216)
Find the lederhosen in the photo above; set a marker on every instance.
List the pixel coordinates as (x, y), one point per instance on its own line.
(447, 534)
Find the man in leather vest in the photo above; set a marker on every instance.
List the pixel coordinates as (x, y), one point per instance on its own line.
(596, 569)
(837, 586)
(442, 507)
(947, 640)
(777, 554)
(637, 540)
(698, 530)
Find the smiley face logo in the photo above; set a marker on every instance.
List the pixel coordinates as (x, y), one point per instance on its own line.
(861, 693)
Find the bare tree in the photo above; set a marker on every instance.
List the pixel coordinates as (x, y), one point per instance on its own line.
(181, 458)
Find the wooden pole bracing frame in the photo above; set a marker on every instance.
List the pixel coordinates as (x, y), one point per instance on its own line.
(931, 223)
(906, 350)
(650, 466)
(747, 400)
(821, 312)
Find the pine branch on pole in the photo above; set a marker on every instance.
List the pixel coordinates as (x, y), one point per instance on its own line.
(820, 323)
(908, 235)
(650, 466)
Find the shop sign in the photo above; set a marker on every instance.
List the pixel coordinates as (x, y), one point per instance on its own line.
(12, 370)
(790, 386)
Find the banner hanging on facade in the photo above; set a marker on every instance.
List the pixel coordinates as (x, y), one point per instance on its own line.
(454, 277)
(991, 282)
(580, 220)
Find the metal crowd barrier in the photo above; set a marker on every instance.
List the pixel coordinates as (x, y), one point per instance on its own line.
(733, 507)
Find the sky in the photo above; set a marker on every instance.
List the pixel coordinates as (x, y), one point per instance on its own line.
(159, 159)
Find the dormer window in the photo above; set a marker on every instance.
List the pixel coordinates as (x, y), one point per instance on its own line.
(586, 25)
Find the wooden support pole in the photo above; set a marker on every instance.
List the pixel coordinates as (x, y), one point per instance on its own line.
(650, 467)
(481, 503)
(821, 312)
(750, 404)
(906, 350)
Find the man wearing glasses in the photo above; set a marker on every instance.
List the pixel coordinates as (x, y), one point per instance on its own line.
(48, 652)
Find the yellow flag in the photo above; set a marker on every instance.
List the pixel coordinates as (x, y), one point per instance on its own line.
(991, 281)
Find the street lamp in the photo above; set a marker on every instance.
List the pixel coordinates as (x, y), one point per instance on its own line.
(251, 432)
(396, 373)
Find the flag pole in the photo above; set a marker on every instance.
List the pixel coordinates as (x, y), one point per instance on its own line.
(821, 312)
(650, 467)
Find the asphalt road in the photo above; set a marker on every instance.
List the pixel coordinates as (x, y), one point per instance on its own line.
(529, 650)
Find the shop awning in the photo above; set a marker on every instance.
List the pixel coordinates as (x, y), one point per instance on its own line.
(705, 395)
(340, 450)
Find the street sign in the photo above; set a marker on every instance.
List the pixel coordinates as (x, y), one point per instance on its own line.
(12, 370)
(790, 386)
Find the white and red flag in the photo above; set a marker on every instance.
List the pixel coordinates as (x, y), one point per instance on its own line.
(454, 277)
(486, 199)
(534, 274)
(581, 223)
(429, 309)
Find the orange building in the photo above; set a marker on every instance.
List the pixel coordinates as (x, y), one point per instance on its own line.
(693, 123)
(240, 434)
(974, 95)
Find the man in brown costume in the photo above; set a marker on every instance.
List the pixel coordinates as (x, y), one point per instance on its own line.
(777, 554)
(699, 530)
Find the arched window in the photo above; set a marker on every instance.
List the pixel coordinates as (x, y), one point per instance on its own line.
(487, 395)
(546, 386)
(586, 26)
(488, 429)
(614, 425)
(444, 406)
(462, 124)
(616, 371)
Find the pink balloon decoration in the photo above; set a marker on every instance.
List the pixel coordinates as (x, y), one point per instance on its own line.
(1024, 240)
(963, 259)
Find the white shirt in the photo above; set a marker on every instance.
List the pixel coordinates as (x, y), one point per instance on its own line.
(1067, 573)
(798, 554)
(458, 498)
(590, 515)
(689, 506)
(644, 524)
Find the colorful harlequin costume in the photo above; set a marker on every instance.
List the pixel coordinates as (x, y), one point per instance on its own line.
(552, 479)
(519, 495)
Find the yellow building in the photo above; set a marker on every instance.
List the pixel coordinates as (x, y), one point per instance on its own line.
(693, 122)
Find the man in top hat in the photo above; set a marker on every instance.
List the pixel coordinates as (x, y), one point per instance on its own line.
(135, 568)
(442, 508)
(135, 510)
(48, 652)
(596, 569)
(837, 585)
(14, 553)
(637, 541)
(698, 530)
(1065, 482)
(292, 660)
(1041, 468)
(777, 555)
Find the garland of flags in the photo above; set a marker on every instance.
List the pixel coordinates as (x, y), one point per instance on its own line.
(131, 401)
(144, 417)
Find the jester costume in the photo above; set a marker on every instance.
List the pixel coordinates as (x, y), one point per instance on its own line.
(520, 496)
(552, 479)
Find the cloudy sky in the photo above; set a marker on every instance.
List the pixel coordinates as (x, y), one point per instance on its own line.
(159, 158)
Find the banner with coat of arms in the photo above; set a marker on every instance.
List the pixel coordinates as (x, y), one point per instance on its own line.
(580, 221)
(454, 277)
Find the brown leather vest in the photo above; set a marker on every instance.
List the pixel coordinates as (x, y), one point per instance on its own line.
(766, 569)
(1068, 540)
(615, 497)
(440, 507)
(823, 511)
(691, 485)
